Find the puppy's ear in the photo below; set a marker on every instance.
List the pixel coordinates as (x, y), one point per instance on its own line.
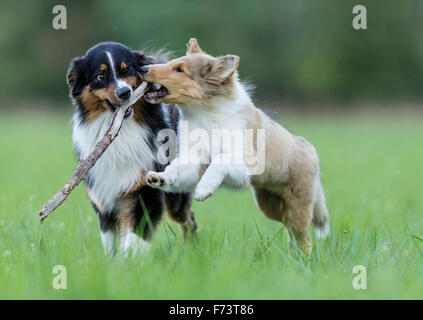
(75, 76)
(224, 67)
(141, 59)
(193, 47)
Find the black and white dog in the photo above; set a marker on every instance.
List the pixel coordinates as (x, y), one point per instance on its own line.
(105, 77)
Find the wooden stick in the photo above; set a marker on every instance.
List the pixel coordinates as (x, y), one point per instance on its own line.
(101, 146)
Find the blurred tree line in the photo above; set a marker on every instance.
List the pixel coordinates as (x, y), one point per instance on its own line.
(292, 50)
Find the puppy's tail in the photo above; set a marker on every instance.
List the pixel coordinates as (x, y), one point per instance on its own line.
(320, 213)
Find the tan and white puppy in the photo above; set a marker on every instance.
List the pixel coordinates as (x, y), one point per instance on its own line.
(287, 188)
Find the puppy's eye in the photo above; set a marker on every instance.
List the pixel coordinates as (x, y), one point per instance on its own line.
(124, 70)
(100, 77)
(179, 69)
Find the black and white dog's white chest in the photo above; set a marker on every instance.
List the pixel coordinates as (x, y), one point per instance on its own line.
(122, 164)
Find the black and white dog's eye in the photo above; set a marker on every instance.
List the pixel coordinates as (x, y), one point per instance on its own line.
(124, 70)
(100, 77)
(179, 69)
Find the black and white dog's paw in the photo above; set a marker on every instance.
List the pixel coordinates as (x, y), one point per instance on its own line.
(155, 180)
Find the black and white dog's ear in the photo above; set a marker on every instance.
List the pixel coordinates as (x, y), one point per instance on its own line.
(141, 59)
(75, 76)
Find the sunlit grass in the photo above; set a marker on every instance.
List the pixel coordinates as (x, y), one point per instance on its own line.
(371, 171)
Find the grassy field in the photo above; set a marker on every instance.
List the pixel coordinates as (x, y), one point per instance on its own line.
(372, 174)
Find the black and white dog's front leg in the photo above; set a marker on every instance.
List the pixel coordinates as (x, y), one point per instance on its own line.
(107, 224)
(177, 177)
(224, 168)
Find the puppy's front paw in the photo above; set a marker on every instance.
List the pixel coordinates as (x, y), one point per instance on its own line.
(202, 194)
(155, 180)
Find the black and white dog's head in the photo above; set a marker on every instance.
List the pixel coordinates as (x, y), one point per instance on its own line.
(105, 77)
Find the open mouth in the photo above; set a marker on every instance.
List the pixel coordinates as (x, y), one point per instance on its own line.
(155, 91)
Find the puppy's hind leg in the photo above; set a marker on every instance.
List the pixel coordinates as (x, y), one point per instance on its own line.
(298, 214)
(269, 203)
(295, 215)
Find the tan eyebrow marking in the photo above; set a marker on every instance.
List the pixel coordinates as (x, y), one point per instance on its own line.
(123, 65)
(103, 67)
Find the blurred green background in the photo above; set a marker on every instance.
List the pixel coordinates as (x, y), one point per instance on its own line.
(298, 51)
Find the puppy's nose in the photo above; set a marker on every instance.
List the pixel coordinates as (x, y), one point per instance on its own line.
(124, 93)
(144, 69)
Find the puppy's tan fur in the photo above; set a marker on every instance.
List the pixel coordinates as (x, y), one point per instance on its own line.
(289, 190)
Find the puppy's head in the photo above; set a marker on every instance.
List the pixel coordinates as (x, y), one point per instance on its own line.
(192, 79)
(105, 77)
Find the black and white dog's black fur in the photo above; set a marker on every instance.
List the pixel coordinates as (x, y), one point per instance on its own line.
(104, 77)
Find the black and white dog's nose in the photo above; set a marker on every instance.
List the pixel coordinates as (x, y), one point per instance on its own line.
(124, 93)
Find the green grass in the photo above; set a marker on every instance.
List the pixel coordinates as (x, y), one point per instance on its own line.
(372, 175)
